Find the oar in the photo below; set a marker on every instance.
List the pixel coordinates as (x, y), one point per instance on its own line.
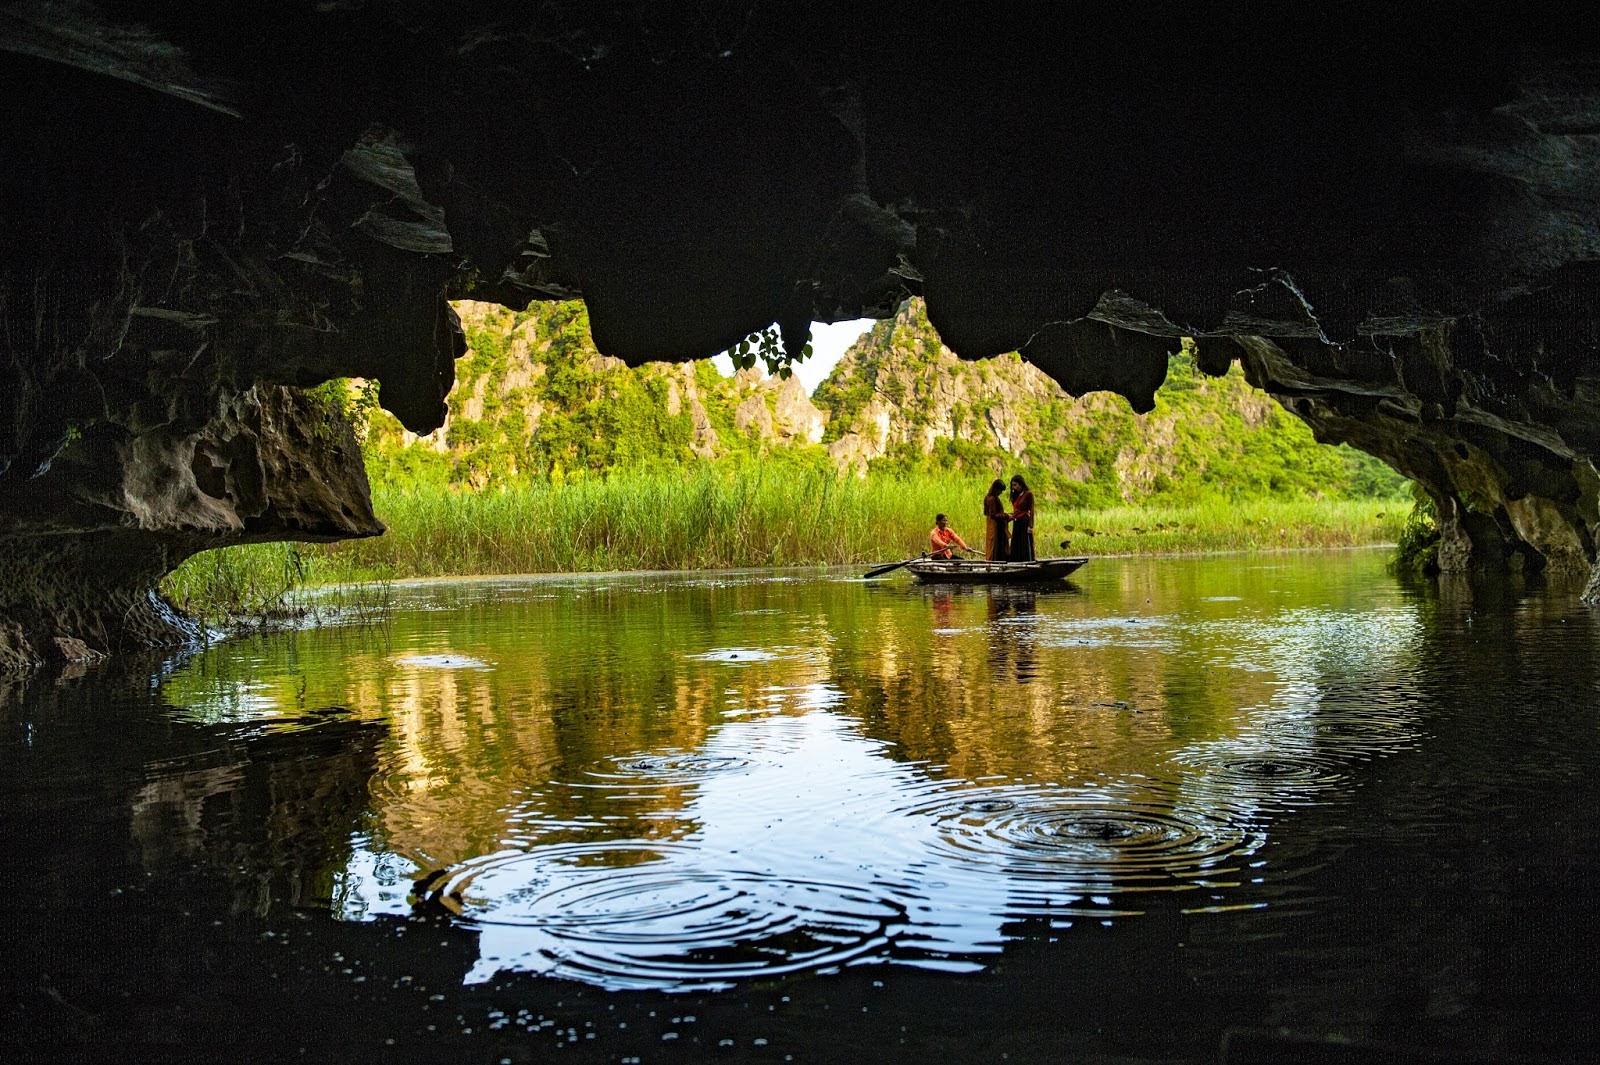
(891, 567)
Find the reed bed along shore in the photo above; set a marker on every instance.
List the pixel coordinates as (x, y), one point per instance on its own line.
(712, 518)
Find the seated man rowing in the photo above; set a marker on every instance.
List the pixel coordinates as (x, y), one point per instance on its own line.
(943, 540)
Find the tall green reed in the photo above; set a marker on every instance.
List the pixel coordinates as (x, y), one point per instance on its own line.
(749, 515)
(721, 516)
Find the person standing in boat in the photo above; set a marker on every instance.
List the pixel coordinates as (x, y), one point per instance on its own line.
(1021, 520)
(996, 535)
(943, 541)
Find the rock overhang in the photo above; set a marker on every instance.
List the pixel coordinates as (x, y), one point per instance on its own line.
(1392, 218)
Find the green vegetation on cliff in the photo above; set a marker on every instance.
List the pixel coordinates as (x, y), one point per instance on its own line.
(534, 399)
(900, 401)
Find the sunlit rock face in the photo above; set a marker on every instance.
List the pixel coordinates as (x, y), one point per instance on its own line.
(1393, 221)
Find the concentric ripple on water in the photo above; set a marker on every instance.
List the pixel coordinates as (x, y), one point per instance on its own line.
(1363, 736)
(651, 916)
(666, 767)
(1131, 842)
(1279, 778)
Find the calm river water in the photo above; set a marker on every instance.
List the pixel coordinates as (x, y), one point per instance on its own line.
(1253, 807)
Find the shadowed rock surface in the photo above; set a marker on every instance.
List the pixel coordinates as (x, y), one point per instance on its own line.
(1392, 220)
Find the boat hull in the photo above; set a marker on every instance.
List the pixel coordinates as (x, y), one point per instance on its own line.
(964, 571)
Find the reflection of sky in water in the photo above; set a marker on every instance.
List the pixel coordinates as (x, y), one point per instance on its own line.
(780, 697)
(818, 852)
(225, 701)
(1342, 695)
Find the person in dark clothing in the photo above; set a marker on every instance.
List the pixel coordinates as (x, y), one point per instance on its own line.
(996, 522)
(1021, 520)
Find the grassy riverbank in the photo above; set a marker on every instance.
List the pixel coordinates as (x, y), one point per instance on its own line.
(711, 517)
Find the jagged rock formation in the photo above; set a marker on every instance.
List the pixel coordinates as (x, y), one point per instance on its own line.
(899, 392)
(90, 532)
(901, 389)
(1394, 219)
(900, 395)
(777, 409)
(532, 395)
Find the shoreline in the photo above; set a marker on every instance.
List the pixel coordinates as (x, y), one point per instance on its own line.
(819, 569)
(506, 536)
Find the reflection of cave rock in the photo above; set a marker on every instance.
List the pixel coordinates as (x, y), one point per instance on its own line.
(271, 814)
(268, 808)
(1396, 221)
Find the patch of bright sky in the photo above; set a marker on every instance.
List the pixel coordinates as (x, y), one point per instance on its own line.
(827, 346)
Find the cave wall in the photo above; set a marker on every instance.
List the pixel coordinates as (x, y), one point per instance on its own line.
(1392, 219)
(86, 539)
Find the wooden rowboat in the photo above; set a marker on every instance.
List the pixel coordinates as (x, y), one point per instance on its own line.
(968, 571)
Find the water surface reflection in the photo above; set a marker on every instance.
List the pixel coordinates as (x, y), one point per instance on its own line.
(682, 783)
(799, 816)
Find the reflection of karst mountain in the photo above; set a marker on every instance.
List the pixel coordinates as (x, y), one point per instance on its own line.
(521, 731)
(683, 783)
(469, 747)
(1022, 683)
(986, 681)
(957, 687)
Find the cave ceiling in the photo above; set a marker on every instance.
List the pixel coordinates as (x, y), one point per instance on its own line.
(1390, 216)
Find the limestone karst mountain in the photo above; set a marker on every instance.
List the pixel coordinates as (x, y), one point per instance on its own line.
(533, 396)
(899, 397)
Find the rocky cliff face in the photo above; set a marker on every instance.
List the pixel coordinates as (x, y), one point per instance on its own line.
(899, 389)
(1391, 220)
(899, 393)
(1497, 443)
(533, 395)
(89, 534)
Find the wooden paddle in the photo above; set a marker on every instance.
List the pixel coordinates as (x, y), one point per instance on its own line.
(891, 567)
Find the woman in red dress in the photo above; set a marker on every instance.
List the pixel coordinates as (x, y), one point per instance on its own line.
(1021, 520)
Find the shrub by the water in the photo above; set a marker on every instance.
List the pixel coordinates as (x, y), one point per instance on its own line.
(1417, 545)
(253, 580)
(266, 585)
